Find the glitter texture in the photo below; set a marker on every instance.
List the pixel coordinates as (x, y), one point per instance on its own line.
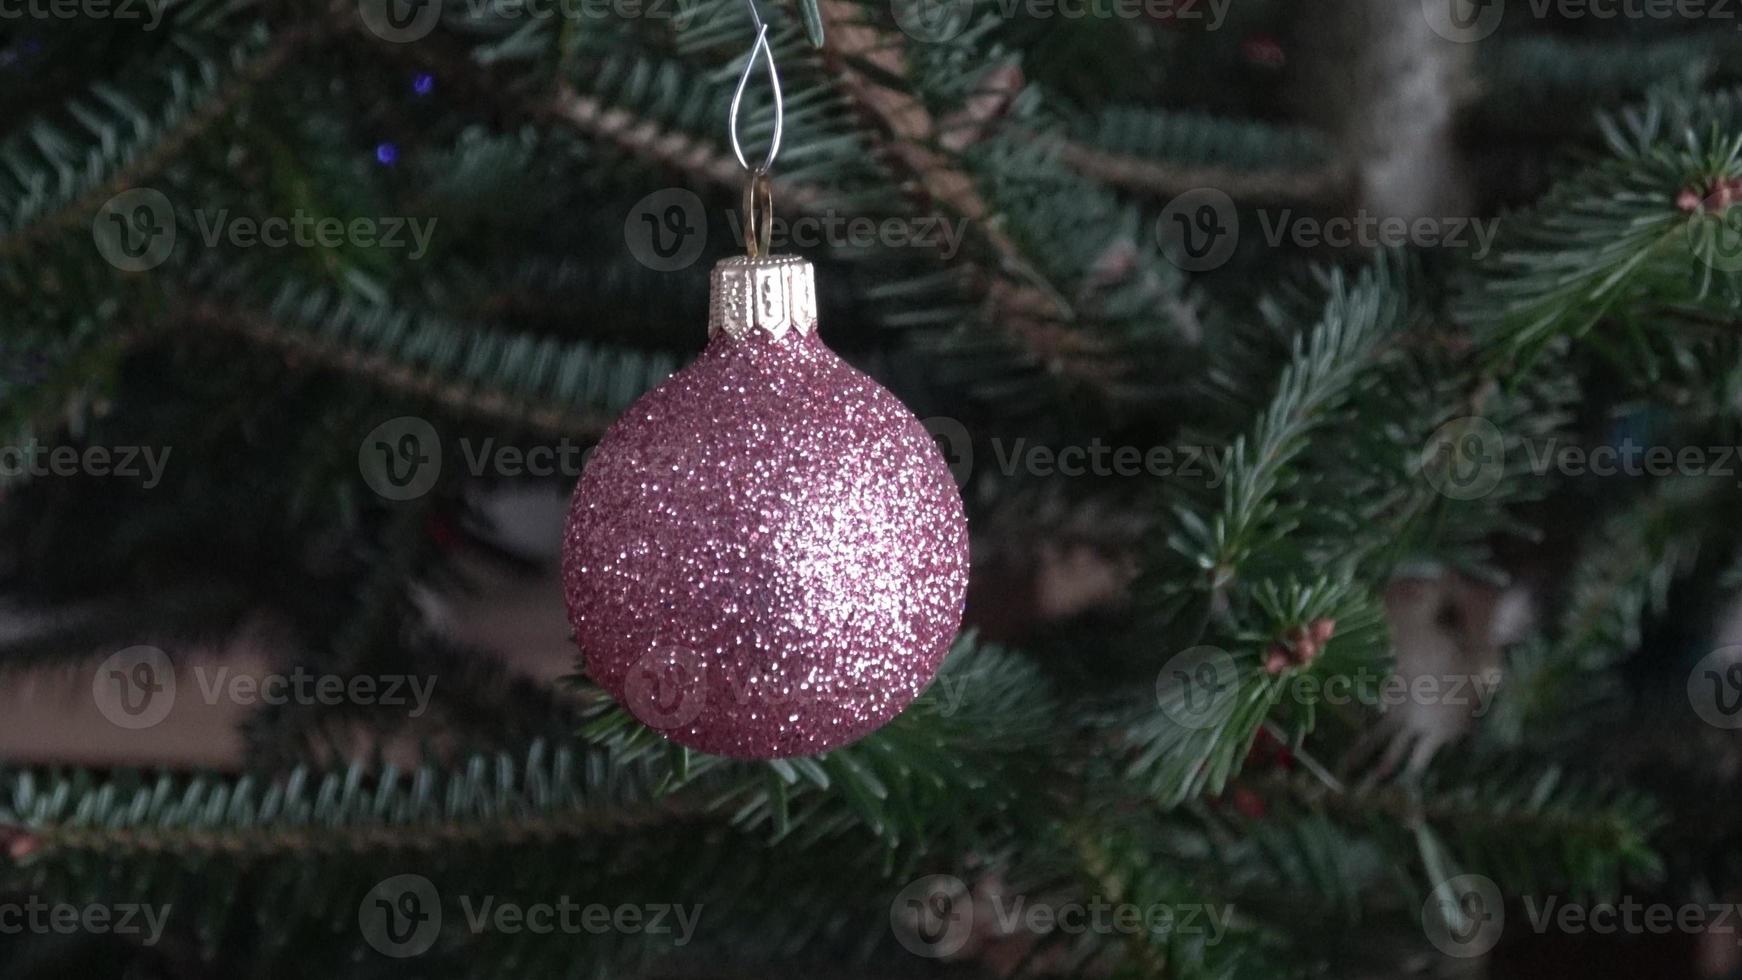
(766, 556)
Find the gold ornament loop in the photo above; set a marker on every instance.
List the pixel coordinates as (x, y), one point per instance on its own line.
(758, 213)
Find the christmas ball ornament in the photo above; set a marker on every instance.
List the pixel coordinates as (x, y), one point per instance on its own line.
(767, 555)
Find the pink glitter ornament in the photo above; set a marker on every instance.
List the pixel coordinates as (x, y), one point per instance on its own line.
(766, 555)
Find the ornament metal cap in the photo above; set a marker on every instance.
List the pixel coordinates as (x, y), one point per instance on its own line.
(774, 294)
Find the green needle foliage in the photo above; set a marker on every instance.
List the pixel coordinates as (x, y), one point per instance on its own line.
(1173, 753)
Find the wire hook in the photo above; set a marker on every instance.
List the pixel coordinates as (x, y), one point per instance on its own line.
(764, 49)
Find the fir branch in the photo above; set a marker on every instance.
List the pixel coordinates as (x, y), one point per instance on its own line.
(1521, 824)
(1626, 234)
(1623, 577)
(482, 800)
(1532, 82)
(544, 385)
(1240, 567)
(977, 732)
(1324, 369)
(890, 787)
(129, 145)
(864, 59)
(1165, 153)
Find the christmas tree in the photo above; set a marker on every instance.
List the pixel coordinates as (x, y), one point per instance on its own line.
(1343, 400)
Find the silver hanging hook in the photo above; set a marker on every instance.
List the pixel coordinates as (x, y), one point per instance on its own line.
(764, 49)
